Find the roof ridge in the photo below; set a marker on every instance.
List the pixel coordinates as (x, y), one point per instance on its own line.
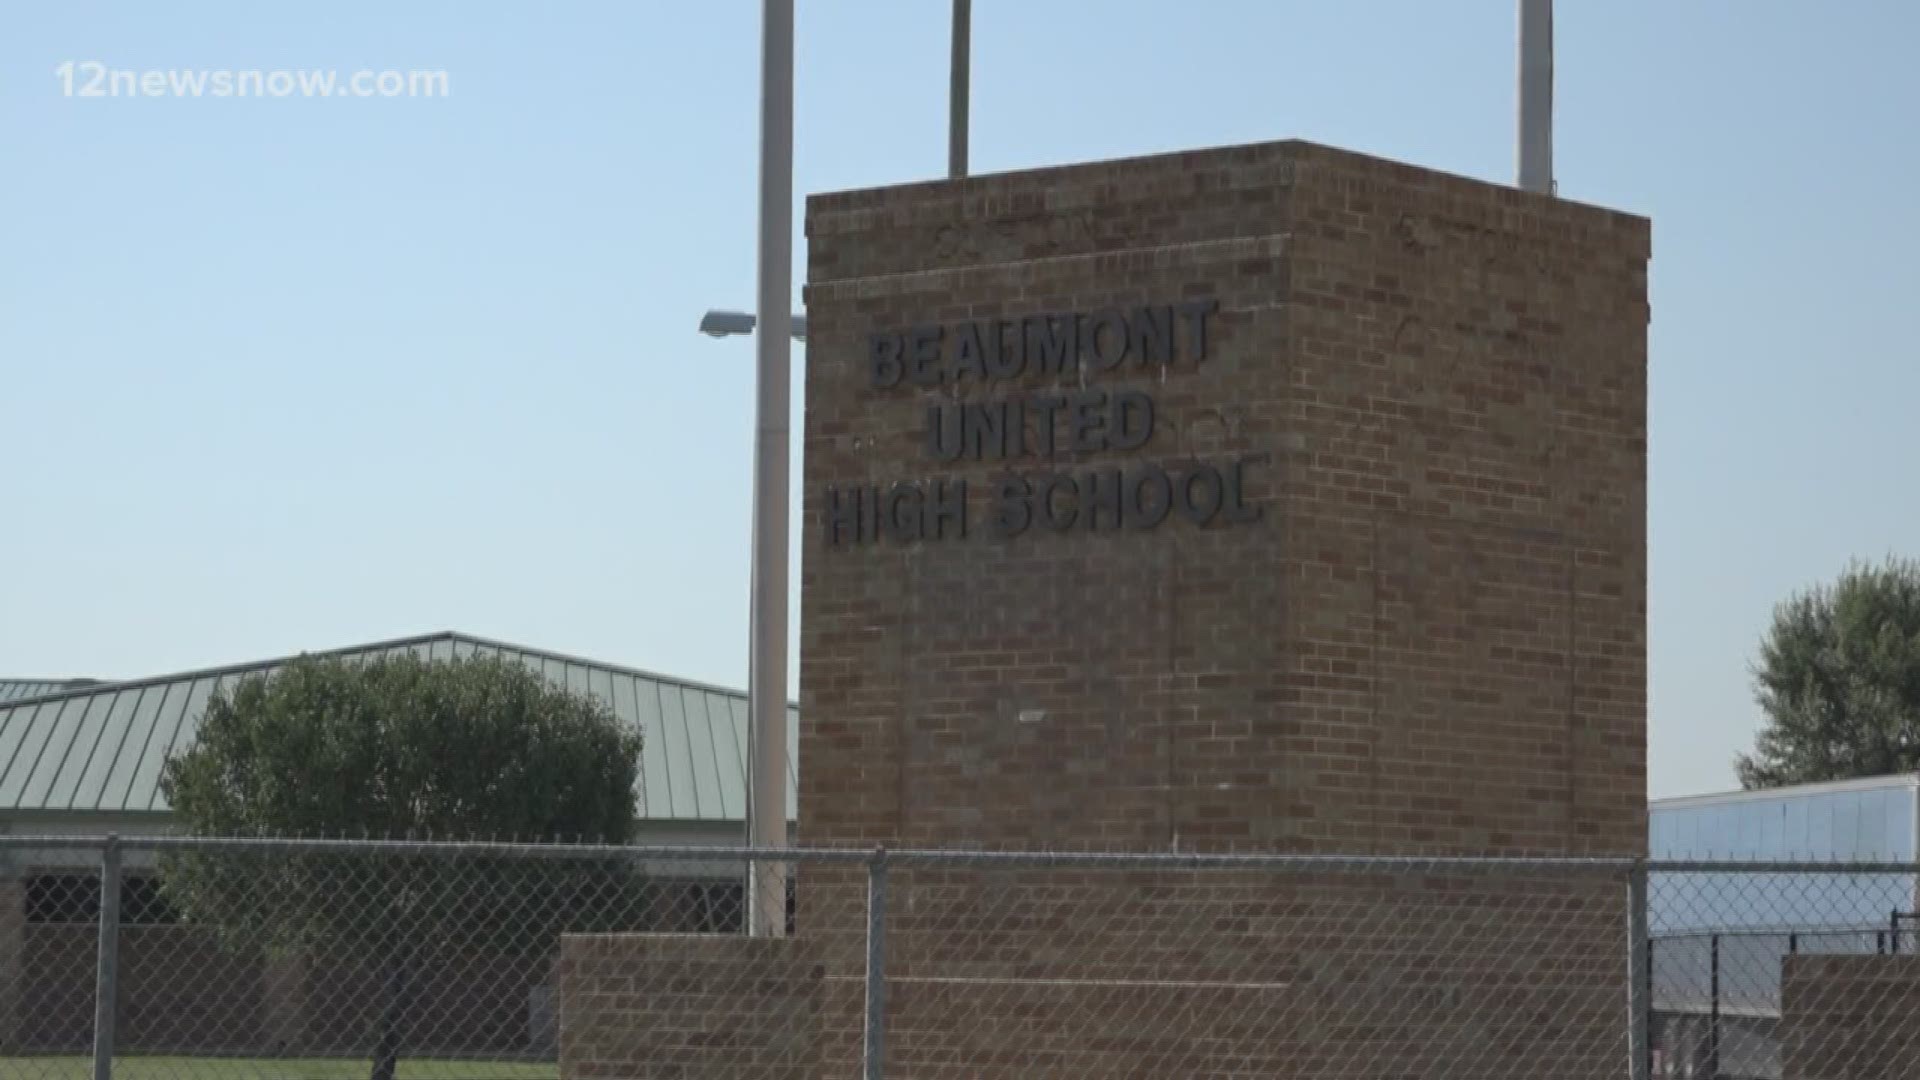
(568, 658)
(99, 748)
(78, 684)
(222, 670)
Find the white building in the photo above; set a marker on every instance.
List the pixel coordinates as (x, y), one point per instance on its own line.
(1718, 938)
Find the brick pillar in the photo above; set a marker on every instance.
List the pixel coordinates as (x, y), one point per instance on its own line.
(1849, 1017)
(1267, 497)
(1297, 502)
(690, 1006)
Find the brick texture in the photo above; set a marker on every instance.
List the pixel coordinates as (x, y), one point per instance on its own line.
(1849, 1017)
(13, 929)
(57, 972)
(182, 992)
(667, 1007)
(1431, 641)
(179, 991)
(1233, 975)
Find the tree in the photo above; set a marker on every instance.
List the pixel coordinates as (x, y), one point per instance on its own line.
(398, 747)
(1839, 680)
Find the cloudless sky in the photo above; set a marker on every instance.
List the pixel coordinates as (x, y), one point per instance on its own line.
(282, 374)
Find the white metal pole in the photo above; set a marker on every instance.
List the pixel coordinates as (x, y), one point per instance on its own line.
(1535, 142)
(767, 672)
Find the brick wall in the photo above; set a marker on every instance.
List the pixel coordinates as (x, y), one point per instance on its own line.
(178, 990)
(1328, 976)
(1424, 631)
(1849, 1017)
(181, 991)
(662, 1007)
(13, 928)
(461, 999)
(57, 970)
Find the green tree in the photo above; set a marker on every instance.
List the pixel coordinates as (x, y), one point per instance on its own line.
(1839, 680)
(399, 747)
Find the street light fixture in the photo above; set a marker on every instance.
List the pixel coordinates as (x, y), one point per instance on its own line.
(717, 323)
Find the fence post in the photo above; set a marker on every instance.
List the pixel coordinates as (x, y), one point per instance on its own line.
(1713, 1020)
(875, 1052)
(1639, 977)
(107, 975)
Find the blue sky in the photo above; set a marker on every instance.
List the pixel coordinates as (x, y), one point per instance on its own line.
(284, 373)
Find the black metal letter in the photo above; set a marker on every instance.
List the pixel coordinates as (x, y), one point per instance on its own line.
(883, 360)
(1012, 506)
(843, 515)
(1101, 491)
(1201, 507)
(1151, 329)
(900, 511)
(870, 514)
(944, 435)
(1050, 339)
(1043, 408)
(1149, 496)
(1086, 418)
(1004, 359)
(948, 507)
(1132, 420)
(1236, 494)
(968, 357)
(1196, 312)
(984, 428)
(1055, 518)
(923, 356)
(1109, 350)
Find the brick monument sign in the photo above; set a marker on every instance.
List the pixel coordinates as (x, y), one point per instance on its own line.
(1267, 498)
(1264, 498)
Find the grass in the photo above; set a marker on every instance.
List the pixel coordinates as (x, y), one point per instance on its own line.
(204, 1068)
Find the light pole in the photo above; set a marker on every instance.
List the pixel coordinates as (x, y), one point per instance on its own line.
(767, 656)
(958, 72)
(1534, 141)
(767, 665)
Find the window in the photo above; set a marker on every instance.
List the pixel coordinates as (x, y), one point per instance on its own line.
(143, 904)
(75, 898)
(63, 898)
(718, 907)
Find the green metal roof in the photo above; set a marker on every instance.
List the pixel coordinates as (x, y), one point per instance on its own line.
(100, 749)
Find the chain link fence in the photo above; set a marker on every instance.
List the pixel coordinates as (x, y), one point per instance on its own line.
(183, 959)
(1795, 970)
